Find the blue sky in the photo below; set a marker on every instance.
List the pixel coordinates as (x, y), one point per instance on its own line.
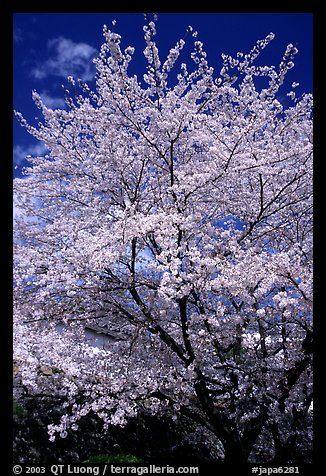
(48, 47)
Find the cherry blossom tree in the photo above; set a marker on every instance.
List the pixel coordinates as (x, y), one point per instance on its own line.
(177, 211)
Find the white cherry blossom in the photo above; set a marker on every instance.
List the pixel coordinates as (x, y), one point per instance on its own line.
(177, 211)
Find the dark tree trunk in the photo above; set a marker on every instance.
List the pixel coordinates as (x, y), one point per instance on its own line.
(234, 452)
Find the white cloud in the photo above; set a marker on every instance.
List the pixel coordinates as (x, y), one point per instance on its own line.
(19, 212)
(20, 152)
(52, 102)
(18, 36)
(67, 58)
(16, 211)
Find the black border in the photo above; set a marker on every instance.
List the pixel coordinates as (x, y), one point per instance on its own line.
(6, 35)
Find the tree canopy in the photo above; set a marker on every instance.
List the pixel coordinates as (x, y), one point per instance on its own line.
(175, 209)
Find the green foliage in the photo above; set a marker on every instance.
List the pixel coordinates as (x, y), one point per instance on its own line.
(114, 458)
(237, 353)
(17, 409)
